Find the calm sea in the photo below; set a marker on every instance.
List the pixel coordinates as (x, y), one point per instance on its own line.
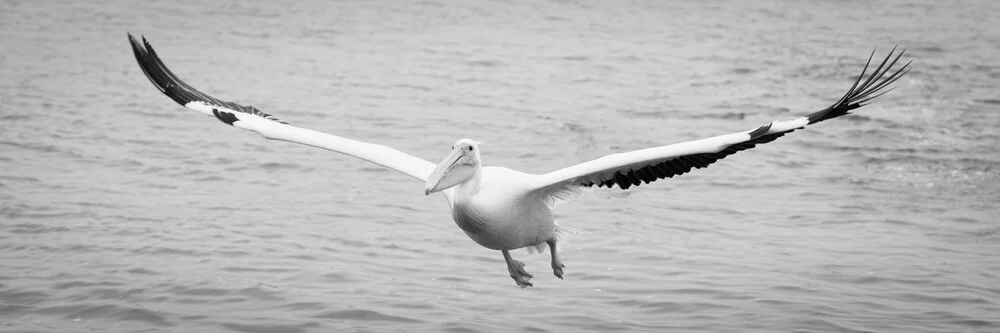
(120, 211)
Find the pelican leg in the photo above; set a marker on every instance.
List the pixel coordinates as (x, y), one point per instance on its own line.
(557, 265)
(517, 272)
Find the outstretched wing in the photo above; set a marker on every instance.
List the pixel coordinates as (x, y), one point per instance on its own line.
(647, 165)
(250, 118)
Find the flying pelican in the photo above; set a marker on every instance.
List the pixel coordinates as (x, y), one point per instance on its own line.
(504, 209)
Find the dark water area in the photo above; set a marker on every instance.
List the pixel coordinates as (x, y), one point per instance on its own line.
(121, 211)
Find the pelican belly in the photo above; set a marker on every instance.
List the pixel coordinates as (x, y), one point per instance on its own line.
(503, 214)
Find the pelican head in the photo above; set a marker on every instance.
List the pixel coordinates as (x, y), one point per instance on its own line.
(461, 164)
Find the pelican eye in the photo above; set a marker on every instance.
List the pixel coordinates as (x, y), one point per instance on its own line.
(470, 148)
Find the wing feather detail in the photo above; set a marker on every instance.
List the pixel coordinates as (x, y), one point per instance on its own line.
(250, 118)
(648, 165)
(182, 93)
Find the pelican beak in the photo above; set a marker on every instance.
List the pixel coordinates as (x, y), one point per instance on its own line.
(441, 178)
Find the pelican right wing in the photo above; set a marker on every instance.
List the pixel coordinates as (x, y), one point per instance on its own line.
(250, 118)
(647, 165)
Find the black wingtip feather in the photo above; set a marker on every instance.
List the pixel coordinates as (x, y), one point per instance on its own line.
(864, 90)
(169, 84)
(156, 74)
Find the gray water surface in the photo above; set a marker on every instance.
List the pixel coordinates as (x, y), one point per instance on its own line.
(121, 211)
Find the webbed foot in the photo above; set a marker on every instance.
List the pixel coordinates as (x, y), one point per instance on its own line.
(557, 268)
(557, 265)
(519, 275)
(517, 272)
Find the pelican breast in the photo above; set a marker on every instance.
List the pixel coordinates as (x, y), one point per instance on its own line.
(504, 213)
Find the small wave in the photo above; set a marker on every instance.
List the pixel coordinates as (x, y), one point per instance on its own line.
(724, 115)
(155, 113)
(258, 293)
(43, 148)
(237, 168)
(354, 243)
(210, 179)
(575, 128)
(364, 315)
(655, 306)
(992, 101)
(484, 63)
(334, 277)
(275, 166)
(977, 323)
(412, 86)
(634, 114)
(123, 163)
(152, 170)
(269, 328)
(14, 117)
(453, 279)
(233, 253)
(82, 311)
(224, 208)
(931, 299)
(304, 306)
(369, 169)
(703, 84)
(984, 232)
(160, 250)
(221, 161)
(31, 228)
(13, 309)
(142, 315)
(431, 4)
(159, 186)
(205, 292)
(239, 269)
(930, 49)
(82, 284)
(418, 306)
(19, 179)
(91, 311)
(23, 297)
(142, 271)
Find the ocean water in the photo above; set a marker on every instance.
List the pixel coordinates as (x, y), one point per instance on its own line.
(120, 211)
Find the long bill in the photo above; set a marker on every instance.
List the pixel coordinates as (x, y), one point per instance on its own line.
(442, 177)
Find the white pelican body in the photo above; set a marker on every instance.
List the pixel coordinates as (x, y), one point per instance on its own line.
(504, 209)
(500, 210)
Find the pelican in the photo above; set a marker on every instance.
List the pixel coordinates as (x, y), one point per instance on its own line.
(504, 209)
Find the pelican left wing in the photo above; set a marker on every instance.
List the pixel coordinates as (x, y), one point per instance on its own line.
(250, 118)
(648, 165)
